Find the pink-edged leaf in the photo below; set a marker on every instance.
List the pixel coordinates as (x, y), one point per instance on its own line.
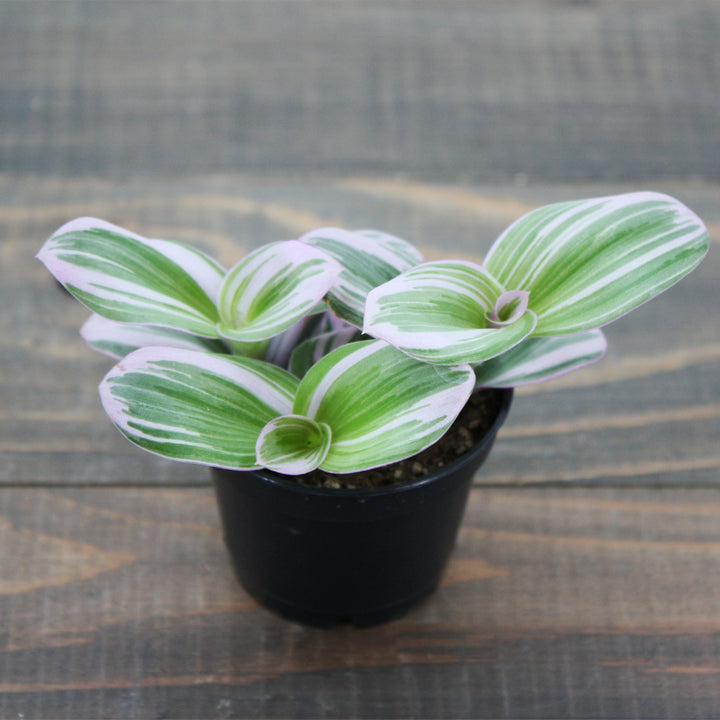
(195, 406)
(439, 313)
(380, 404)
(273, 288)
(587, 262)
(368, 259)
(537, 359)
(117, 339)
(125, 277)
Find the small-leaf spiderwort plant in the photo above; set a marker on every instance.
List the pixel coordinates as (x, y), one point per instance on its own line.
(343, 350)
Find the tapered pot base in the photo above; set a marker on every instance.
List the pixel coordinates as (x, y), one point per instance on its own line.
(322, 556)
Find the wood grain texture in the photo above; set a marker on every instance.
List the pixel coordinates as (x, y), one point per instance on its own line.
(557, 603)
(551, 90)
(586, 580)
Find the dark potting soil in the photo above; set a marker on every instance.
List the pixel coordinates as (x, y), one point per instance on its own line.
(471, 425)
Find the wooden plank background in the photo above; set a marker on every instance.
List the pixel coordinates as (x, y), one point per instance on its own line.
(551, 89)
(558, 603)
(585, 583)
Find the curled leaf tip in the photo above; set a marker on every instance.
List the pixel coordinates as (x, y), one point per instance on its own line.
(293, 444)
(509, 307)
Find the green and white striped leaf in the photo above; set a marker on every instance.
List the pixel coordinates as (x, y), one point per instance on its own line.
(442, 313)
(380, 404)
(308, 352)
(320, 321)
(117, 339)
(123, 276)
(272, 289)
(368, 259)
(586, 263)
(537, 359)
(194, 406)
(293, 445)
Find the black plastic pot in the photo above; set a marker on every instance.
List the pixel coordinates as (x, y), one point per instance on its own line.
(322, 556)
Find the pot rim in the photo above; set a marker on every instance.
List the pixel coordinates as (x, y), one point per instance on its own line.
(280, 481)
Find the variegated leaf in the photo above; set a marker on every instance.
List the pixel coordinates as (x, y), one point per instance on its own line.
(123, 276)
(380, 404)
(272, 289)
(293, 444)
(537, 359)
(443, 313)
(195, 406)
(308, 352)
(587, 262)
(117, 339)
(368, 259)
(281, 347)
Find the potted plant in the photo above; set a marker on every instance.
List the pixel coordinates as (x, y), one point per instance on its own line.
(319, 377)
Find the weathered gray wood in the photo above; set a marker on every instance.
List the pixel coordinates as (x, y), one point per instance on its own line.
(561, 90)
(557, 603)
(585, 581)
